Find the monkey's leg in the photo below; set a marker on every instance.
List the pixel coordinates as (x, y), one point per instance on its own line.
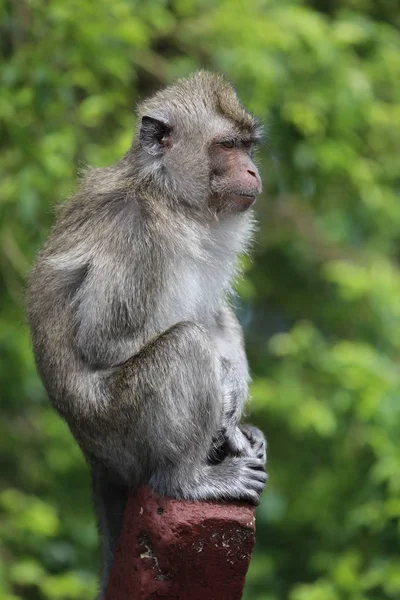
(174, 382)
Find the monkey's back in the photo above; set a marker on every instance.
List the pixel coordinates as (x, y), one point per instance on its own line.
(87, 291)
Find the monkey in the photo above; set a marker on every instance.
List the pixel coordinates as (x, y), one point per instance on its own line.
(133, 333)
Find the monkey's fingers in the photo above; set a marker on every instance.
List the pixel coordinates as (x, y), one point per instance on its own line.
(257, 441)
(236, 444)
(251, 478)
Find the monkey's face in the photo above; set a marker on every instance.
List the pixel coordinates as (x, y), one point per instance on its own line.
(211, 167)
(197, 141)
(235, 180)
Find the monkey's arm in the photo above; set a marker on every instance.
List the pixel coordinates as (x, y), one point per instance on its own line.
(235, 379)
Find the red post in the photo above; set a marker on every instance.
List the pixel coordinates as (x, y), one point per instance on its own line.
(181, 550)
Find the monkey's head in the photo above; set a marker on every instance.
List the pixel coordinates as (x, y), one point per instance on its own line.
(195, 143)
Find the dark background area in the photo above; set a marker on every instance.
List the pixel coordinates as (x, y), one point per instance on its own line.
(320, 300)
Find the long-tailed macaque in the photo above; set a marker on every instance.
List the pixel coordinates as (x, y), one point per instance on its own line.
(133, 334)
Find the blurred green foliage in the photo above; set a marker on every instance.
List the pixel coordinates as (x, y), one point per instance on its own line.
(320, 301)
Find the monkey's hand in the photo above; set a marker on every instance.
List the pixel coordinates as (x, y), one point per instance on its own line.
(235, 442)
(257, 441)
(248, 475)
(244, 440)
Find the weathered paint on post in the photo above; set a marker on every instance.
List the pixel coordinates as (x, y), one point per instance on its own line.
(182, 550)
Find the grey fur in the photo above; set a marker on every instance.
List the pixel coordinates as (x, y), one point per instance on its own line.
(133, 336)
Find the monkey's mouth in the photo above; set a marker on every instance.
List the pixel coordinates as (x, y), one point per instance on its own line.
(242, 200)
(250, 196)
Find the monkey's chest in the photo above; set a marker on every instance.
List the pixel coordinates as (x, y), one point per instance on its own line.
(191, 292)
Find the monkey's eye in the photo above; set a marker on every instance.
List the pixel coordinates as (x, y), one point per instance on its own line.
(228, 144)
(248, 145)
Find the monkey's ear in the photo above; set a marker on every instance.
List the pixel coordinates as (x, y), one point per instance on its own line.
(154, 135)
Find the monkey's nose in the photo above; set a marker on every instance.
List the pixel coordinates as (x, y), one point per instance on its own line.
(254, 173)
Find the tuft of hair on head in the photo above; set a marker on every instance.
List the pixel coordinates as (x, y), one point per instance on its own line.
(225, 100)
